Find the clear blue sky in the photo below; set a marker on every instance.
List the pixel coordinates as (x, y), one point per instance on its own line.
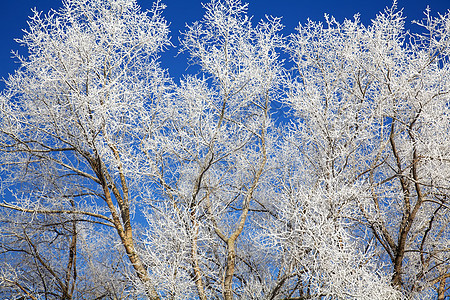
(14, 15)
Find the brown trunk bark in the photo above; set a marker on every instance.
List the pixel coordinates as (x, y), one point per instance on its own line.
(127, 241)
(123, 225)
(441, 289)
(196, 266)
(231, 259)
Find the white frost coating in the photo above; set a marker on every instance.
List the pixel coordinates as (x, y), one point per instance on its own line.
(124, 184)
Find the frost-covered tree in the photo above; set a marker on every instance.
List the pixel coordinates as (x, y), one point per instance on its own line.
(373, 116)
(71, 113)
(123, 184)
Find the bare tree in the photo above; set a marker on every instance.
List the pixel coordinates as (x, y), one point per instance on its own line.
(373, 109)
(66, 114)
(55, 256)
(126, 185)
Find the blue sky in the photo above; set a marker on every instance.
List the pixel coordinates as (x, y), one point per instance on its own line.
(14, 15)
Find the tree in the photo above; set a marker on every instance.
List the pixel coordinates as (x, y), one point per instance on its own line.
(90, 72)
(194, 190)
(52, 256)
(373, 105)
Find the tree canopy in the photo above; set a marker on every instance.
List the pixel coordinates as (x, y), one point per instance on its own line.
(120, 183)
